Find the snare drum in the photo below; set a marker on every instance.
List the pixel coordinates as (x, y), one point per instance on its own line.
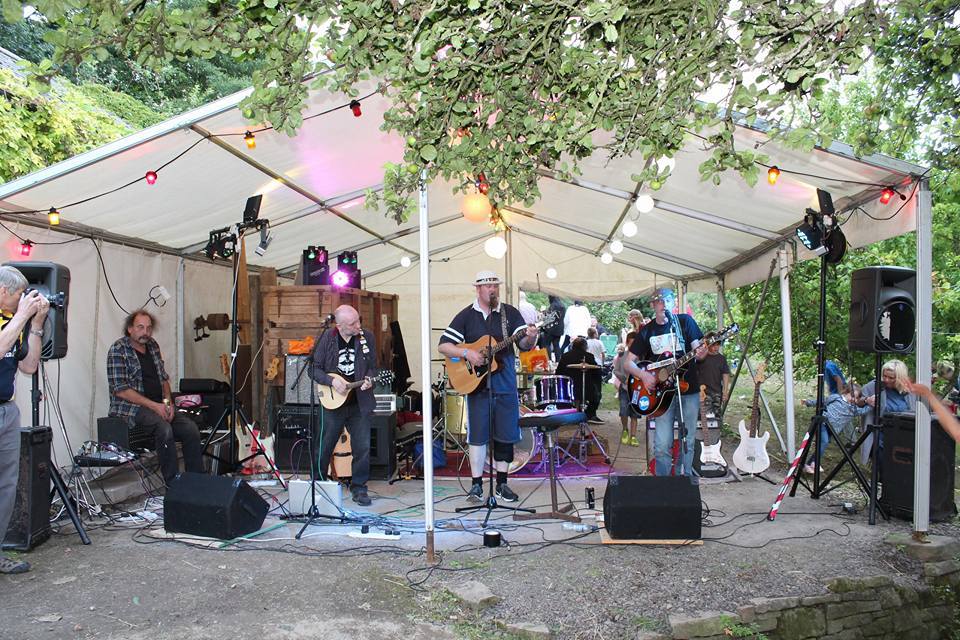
(556, 391)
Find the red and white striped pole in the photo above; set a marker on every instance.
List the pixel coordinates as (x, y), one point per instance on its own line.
(786, 481)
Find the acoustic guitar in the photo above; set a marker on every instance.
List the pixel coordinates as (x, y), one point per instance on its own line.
(751, 454)
(712, 464)
(644, 402)
(465, 377)
(329, 397)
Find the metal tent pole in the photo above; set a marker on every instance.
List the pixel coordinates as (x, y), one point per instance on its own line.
(921, 467)
(425, 351)
(785, 324)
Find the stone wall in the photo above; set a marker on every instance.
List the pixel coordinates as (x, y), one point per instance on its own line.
(854, 609)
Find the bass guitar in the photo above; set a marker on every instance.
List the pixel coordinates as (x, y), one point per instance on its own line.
(645, 402)
(751, 454)
(331, 399)
(465, 377)
(712, 464)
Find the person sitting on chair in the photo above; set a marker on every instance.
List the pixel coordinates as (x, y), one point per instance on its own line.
(350, 352)
(140, 395)
(839, 411)
(590, 396)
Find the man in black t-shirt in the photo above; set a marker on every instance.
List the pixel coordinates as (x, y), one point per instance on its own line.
(670, 335)
(715, 374)
(140, 394)
(348, 351)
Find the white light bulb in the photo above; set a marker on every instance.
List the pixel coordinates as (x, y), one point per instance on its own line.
(405, 261)
(606, 258)
(666, 164)
(551, 273)
(616, 246)
(629, 228)
(495, 247)
(644, 203)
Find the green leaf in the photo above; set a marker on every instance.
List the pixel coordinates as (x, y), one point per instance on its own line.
(928, 34)
(610, 33)
(473, 5)
(428, 153)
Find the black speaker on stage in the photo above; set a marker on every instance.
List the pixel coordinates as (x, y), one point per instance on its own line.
(652, 508)
(383, 447)
(212, 506)
(292, 425)
(896, 467)
(50, 279)
(30, 521)
(882, 310)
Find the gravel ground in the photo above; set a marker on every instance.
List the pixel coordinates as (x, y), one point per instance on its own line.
(332, 586)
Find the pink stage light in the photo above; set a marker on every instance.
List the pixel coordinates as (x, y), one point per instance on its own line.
(339, 278)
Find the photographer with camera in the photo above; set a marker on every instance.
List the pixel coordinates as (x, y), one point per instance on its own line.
(18, 308)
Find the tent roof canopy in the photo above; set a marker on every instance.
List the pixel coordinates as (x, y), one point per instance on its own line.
(314, 186)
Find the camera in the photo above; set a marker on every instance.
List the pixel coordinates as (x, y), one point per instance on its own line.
(56, 300)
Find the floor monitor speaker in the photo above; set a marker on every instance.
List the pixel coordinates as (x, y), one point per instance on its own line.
(652, 508)
(212, 506)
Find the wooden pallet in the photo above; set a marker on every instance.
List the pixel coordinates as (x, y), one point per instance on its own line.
(606, 539)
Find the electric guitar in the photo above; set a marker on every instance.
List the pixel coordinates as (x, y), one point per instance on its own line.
(644, 402)
(331, 399)
(465, 377)
(751, 454)
(712, 464)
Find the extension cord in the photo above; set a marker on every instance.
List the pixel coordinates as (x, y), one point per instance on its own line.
(374, 536)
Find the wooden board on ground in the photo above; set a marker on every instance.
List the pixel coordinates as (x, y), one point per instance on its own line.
(606, 539)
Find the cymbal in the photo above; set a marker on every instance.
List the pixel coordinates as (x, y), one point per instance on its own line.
(583, 365)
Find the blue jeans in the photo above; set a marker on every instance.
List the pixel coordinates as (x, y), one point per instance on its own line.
(663, 438)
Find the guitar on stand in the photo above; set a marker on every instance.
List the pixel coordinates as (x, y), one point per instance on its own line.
(712, 464)
(655, 402)
(331, 399)
(464, 377)
(751, 456)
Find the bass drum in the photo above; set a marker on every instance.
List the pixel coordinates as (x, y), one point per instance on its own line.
(531, 441)
(455, 415)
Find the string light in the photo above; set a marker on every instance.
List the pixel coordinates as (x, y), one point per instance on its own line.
(405, 262)
(151, 176)
(629, 229)
(476, 207)
(250, 139)
(606, 258)
(53, 216)
(495, 247)
(551, 273)
(355, 107)
(887, 195)
(616, 246)
(644, 203)
(773, 174)
(25, 248)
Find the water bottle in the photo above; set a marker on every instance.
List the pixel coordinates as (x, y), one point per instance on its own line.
(577, 526)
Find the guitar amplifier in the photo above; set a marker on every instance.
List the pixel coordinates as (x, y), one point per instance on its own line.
(30, 520)
(296, 391)
(292, 428)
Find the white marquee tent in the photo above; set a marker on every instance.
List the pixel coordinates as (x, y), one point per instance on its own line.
(699, 234)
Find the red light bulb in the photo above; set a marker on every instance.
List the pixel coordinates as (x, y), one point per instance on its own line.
(250, 139)
(773, 174)
(886, 195)
(151, 177)
(25, 248)
(355, 107)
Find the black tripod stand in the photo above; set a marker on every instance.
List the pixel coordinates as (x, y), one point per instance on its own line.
(491, 502)
(235, 409)
(69, 503)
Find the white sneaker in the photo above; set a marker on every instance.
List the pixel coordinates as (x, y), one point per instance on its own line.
(808, 468)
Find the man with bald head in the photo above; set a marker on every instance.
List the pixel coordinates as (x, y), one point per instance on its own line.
(348, 351)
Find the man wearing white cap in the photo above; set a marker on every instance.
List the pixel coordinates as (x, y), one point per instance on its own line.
(487, 316)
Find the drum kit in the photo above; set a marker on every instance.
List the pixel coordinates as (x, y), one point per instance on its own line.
(547, 394)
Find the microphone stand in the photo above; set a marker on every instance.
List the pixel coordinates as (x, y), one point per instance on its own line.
(313, 513)
(681, 432)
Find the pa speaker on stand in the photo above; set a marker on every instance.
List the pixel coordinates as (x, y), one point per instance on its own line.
(882, 310)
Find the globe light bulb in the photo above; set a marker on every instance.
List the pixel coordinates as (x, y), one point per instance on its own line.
(629, 229)
(405, 262)
(606, 258)
(616, 246)
(495, 247)
(551, 273)
(644, 203)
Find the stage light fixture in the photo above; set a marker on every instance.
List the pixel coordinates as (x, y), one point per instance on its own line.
(644, 203)
(250, 139)
(53, 217)
(25, 248)
(811, 235)
(629, 229)
(773, 174)
(150, 177)
(265, 240)
(551, 273)
(355, 107)
(616, 246)
(339, 278)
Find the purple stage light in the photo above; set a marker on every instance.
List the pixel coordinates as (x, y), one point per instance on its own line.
(339, 278)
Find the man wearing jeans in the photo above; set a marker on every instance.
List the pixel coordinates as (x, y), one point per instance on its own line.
(670, 335)
(140, 394)
(16, 312)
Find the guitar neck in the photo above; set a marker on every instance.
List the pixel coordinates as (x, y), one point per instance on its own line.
(755, 415)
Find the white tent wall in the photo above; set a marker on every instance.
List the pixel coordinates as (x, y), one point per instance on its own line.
(78, 382)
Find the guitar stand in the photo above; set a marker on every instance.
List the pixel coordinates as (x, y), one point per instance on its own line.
(743, 476)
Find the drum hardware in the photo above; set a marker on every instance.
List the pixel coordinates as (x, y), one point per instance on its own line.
(546, 424)
(585, 432)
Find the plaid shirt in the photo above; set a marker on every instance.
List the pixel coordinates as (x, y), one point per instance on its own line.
(123, 372)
